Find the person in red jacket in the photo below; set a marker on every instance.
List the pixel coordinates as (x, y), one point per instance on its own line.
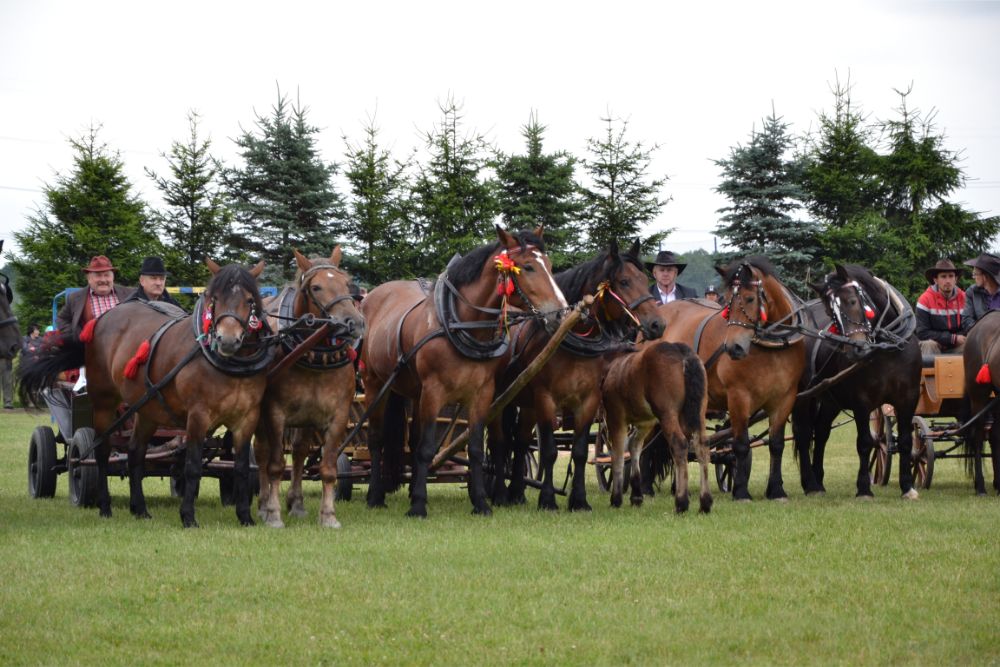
(939, 311)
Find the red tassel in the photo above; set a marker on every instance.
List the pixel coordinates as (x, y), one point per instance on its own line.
(141, 356)
(87, 334)
(206, 322)
(869, 313)
(352, 354)
(725, 313)
(763, 315)
(983, 376)
(834, 329)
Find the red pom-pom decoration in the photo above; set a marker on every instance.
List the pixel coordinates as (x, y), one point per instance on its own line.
(725, 313)
(87, 334)
(834, 329)
(141, 356)
(206, 321)
(763, 315)
(352, 354)
(869, 313)
(983, 376)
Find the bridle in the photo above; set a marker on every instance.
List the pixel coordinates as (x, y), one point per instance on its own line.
(748, 322)
(604, 291)
(324, 309)
(844, 324)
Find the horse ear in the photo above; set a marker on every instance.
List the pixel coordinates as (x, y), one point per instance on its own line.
(336, 256)
(257, 269)
(721, 270)
(212, 266)
(613, 249)
(842, 273)
(634, 250)
(539, 230)
(301, 261)
(506, 239)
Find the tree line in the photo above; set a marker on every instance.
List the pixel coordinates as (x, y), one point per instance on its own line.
(858, 190)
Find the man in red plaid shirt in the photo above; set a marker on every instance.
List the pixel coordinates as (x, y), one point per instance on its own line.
(100, 296)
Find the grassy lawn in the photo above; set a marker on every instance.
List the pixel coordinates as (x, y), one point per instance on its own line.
(813, 581)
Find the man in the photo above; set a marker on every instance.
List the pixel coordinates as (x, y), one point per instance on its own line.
(100, 296)
(665, 269)
(711, 294)
(984, 296)
(153, 283)
(939, 311)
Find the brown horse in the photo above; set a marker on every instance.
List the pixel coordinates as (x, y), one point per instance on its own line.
(316, 391)
(660, 384)
(201, 371)
(446, 349)
(571, 380)
(762, 363)
(982, 379)
(10, 339)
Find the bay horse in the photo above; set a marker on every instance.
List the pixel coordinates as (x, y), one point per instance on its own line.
(867, 349)
(763, 359)
(571, 380)
(204, 371)
(446, 349)
(661, 384)
(982, 378)
(314, 392)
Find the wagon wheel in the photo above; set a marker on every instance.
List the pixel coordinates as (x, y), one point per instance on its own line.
(41, 461)
(880, 460)
(531, 468)
(923, 454)
(83, 479)
(602, 450)
(345, 485)
(724, 475)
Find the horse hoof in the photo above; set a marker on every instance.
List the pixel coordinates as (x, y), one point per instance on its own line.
(815, 494)
(483, 511)
(190, 524)
(866, 498)
(743, 500)
(911, 495)
(780, 499)
(581, 507)
(247, 522)
(415, 513)
(297, 511)
(142, 515)
(329, 522)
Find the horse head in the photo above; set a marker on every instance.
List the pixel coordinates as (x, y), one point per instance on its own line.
(847, 297)
(623, 296)
(10, 340)
(233, 307)
(324, 291)
(756, 298)
(524, 275)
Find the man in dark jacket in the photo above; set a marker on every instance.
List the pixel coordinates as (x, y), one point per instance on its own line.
(984, 296)
(100, 296)
(153, 282)
(939, 310)
(665, 269)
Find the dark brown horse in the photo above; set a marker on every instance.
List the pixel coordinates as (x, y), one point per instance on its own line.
(571, 380)
(762, 363)
(315, 392)
(661, 384)
(982, 379)
(10, 339)
(206, 371)
(444, 349)
(867, 342)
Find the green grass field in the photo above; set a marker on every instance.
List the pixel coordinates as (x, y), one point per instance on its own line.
(826, 580)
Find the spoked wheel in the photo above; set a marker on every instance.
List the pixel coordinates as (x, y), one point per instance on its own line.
(345, 485)
(923, 454)
(531, 468)
(880, 461)
(724, 475)
(41, 462)
(602, 455)
(83, 477)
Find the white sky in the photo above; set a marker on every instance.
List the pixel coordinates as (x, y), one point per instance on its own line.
(692, 77)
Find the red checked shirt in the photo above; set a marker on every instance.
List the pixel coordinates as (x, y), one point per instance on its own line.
(102, 304)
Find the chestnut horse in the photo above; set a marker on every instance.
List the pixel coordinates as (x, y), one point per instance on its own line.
(659, 384)
(201, 371)
(867, 342)
(446, 349)
(571, 380)
(314, 392)
(763, 359)
(982, 377)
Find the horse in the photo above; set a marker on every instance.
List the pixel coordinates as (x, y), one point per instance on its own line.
(981, 359)
(205, 370)
(659, 384)
(446, 349)
(10, 338)
(314, 392)
(571, 380)
(763, 361)
(867, 352)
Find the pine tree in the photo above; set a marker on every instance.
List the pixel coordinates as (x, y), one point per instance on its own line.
(762, 180)
(283, 197)
(196, 224)
(622, 198)
(538, 188)
(91, 211)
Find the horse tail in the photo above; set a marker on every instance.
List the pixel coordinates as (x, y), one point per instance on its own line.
(655, 458)
(694, 393)
(57, 354)
(393, 428)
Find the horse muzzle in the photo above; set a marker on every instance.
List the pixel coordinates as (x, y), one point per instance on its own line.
(227, 346)
(737, 350)
(653, 328)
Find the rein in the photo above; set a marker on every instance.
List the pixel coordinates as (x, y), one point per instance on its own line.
(204, 322)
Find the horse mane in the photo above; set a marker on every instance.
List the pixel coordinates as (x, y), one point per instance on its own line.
(468, 268)
(573, 282)
(759, 262)
(235, 275)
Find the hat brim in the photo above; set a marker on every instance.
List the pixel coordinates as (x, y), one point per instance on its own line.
(680, 267)
(87, 269)
(931, 274)
(156, 273)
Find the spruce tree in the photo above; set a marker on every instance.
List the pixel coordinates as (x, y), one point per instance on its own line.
(90, 211)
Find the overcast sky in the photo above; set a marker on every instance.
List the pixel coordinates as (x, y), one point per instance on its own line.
(692, 77)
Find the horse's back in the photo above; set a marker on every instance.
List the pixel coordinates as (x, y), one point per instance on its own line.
(383, 308)
(682, 320)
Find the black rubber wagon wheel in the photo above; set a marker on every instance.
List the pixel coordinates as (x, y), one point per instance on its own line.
(923, 454)
(83, 478)
(880, 461)
(345, 485)
(41, 463)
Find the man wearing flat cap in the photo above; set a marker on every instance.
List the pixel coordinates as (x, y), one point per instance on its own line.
(153, 282)
(984, 296)
(89, 303)
(939, 310)
(665, 269)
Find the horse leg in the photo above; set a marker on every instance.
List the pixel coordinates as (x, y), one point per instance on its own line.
(614, 416)
(197, 427)
(739, 411)
(865, 443)
(976, 447)
(995, 453)
(519, 432)
(824, 426)
(271, 463)
(704, 459)
(904, 444)
(477, 481)
(547, 455)
(295, 499)
(583, 418)
(241, 479)
(423, 455)
(103, 418)
(636, 443)
(376, 425)
(679, 452)
(142, 431)
(803, 419)
(499, 448)
(776, 448)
